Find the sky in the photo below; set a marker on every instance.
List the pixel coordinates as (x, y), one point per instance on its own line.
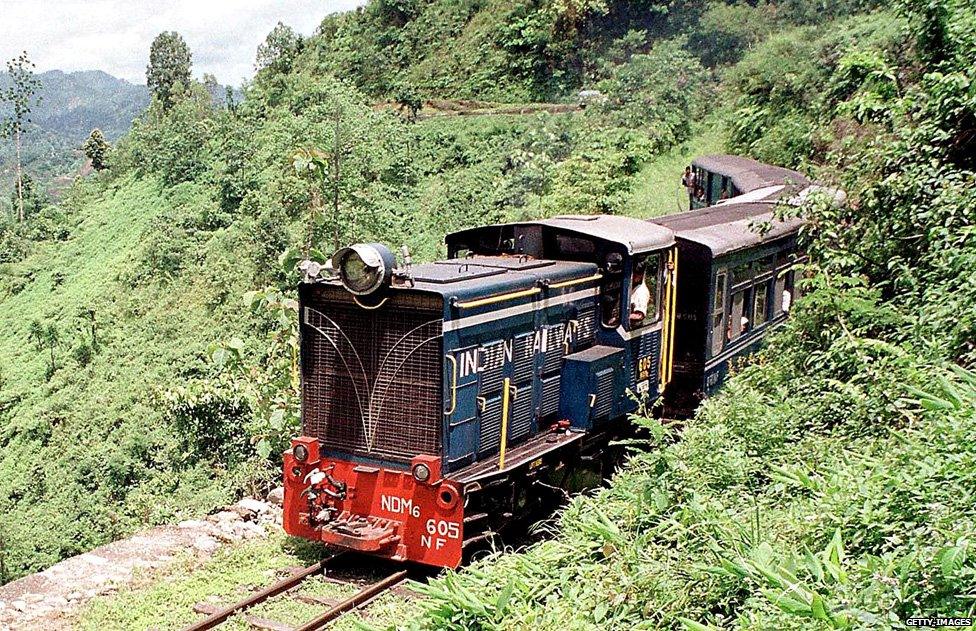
(114, 35)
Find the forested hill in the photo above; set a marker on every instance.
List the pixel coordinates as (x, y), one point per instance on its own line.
(530, 50)
(68, 106)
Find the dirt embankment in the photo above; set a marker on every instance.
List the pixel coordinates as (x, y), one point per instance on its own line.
(48, 599)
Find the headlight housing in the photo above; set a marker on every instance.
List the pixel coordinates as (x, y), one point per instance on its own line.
(365, 267)
(300, 452)
(421, 473)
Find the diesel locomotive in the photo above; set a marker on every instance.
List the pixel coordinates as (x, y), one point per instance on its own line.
(441, 401)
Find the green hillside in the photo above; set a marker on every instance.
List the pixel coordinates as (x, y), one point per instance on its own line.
(829, 486)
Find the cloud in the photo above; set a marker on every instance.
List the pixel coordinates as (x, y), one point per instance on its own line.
(114, 35)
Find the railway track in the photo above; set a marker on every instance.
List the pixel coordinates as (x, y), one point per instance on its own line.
(288, 587)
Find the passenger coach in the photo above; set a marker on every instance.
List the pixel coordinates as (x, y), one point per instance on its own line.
(737, 270)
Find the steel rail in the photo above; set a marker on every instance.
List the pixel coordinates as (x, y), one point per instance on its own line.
(362, 596)
(219, 617)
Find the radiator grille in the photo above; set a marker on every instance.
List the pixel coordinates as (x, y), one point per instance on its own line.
(604, 394)
(555, 349)
(371, 379)
(586, 334)
(491, 362)
(550, 395)
(491, 426)
(520, 424)
(524, 357)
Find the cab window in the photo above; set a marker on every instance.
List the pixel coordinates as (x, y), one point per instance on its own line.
(611, 290)
(645, 289)
(610, 297)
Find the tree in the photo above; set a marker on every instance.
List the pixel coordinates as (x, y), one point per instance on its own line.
(214, 89)
(23, 86)
(279, 49)
(45, 337)
(96, 148)
(28, 197)
(325, 170)
(408, 99)
(168, 72)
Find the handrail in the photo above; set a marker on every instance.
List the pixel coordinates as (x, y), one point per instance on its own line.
(575, 281)
(454, 379)
(674, 315)
(506, 393)
(481, 302)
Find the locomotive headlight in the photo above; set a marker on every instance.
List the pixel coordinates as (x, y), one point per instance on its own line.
(300, 452)
(364, 268)
(421, 473)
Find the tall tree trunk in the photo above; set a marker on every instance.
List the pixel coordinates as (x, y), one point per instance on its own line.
(20, 181)
(337, 159)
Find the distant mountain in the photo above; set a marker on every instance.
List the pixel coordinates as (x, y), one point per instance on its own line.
(71, 105)
(74, 103)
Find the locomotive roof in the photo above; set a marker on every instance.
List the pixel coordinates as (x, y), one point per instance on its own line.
(730, 226)
(479, 276)
(635, 235)
(748, 174)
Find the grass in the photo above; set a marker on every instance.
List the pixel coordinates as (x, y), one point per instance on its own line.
(165, 601)
(657, 190)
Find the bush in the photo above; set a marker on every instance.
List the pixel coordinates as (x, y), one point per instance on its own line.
(726, 31)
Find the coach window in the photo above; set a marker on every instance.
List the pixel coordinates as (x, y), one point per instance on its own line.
(760, 304)
(742, 273)
(718, 313)
(645, 287)
(738, 315)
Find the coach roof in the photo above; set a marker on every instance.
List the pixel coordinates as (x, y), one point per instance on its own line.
(636, 235)
(748, 174)
(730, 226)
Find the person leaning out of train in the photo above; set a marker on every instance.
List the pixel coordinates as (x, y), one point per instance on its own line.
(688, 181)
(640, 297)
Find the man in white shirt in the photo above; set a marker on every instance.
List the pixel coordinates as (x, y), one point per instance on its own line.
(640, 297)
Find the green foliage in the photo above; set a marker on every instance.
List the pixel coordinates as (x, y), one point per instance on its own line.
(661, 93)
(210, 415)
(168, 72)
(786, 87)
(173, 140)
(18, 96)
(279, 49)
(28, 197)
(726, 31)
